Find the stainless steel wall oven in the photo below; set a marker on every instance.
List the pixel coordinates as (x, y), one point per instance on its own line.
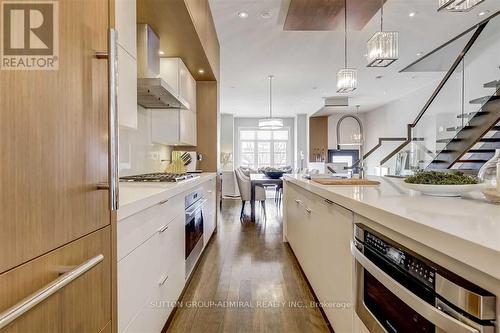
(194, 203)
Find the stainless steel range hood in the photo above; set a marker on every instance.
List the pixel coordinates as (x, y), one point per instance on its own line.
(152, 91)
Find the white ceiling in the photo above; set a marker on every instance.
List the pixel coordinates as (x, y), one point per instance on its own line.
(305, 63)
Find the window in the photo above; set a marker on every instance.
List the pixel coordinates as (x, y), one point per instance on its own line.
(264, 148)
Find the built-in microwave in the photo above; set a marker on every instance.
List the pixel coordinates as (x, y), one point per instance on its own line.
(399, 291)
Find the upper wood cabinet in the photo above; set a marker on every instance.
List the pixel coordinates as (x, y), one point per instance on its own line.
(54, 141)
(175, 73)
(125, 23)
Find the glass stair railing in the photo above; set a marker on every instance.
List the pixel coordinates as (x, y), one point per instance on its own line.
(459, 125)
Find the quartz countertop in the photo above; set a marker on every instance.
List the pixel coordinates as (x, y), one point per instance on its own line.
(467, 228)
(137, 196)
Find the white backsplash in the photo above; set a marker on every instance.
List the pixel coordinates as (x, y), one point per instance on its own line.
(138, 154)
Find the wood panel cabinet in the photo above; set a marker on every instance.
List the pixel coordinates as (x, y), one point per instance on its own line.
(84, 305)
(53, 141)
(54, 213)
(319, 233)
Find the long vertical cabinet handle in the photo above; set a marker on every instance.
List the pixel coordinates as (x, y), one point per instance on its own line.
(113, 119)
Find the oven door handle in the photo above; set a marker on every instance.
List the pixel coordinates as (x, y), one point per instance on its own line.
(426, 310)
(198, 206)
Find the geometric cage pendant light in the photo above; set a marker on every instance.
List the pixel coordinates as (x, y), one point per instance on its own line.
(458, 5)
(383, 47)
(347, 78)
(270, 123)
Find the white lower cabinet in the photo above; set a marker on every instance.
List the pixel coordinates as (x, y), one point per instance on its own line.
(210, 211)
(167, 281)
(151, 260)
(319, 233)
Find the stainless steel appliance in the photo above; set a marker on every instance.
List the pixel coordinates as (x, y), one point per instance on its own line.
(398, 290)
(194, 203)
(158, 177)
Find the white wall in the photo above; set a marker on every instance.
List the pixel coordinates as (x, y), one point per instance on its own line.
(227, 137)
(138, 154)
(348, 129)
(301, 139)
(390, 120)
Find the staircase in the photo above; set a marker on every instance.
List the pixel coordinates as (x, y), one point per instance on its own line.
(473, 143)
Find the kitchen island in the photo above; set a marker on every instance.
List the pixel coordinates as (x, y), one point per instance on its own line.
(459, 234)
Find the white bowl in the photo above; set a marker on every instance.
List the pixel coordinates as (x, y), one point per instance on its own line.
(444, 190)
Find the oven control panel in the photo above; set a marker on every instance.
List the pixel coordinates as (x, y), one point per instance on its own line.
(404, 260)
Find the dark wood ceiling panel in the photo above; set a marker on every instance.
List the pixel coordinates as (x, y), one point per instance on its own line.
(360, 12)
(313, 15)
(325, 15)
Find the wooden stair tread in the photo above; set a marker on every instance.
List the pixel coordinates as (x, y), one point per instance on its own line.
(483, 100)
(492, 84)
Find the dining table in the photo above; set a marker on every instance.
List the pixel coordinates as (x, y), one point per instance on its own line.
(260, 179)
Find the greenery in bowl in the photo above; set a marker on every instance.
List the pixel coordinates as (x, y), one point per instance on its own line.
(441, 178)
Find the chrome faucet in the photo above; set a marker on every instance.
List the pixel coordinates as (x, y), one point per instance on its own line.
(361, 166)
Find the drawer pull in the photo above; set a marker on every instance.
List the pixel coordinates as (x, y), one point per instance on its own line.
(308, 211)
(162, 202)
(163, 280)
(11, 314)
(330, 202)
(298, 201)
(163, 229)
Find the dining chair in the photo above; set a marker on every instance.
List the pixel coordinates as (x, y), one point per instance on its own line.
(245, 188)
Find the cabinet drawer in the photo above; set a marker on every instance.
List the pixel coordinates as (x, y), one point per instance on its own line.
(83, 305)
(136, 229)
(141, 272)
(154, 314)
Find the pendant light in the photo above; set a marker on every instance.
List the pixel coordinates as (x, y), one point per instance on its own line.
(383, 47)
(347, 78)
(458, 5)
(270, 123)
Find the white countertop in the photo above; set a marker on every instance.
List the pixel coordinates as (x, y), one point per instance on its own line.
(467, 229)
(137, 196)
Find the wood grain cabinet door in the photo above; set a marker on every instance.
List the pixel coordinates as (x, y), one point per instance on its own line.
(82, 306)
(54, 141)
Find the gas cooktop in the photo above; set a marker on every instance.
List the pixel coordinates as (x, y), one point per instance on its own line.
(158, 177)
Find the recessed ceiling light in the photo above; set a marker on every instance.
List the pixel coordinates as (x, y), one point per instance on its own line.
(419, 54)
(201, 71)
(242, 14)
(483, 13)
(161, 53)
(411, 14)
(266, 15)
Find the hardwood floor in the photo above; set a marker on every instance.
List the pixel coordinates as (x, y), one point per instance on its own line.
(247, 281)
